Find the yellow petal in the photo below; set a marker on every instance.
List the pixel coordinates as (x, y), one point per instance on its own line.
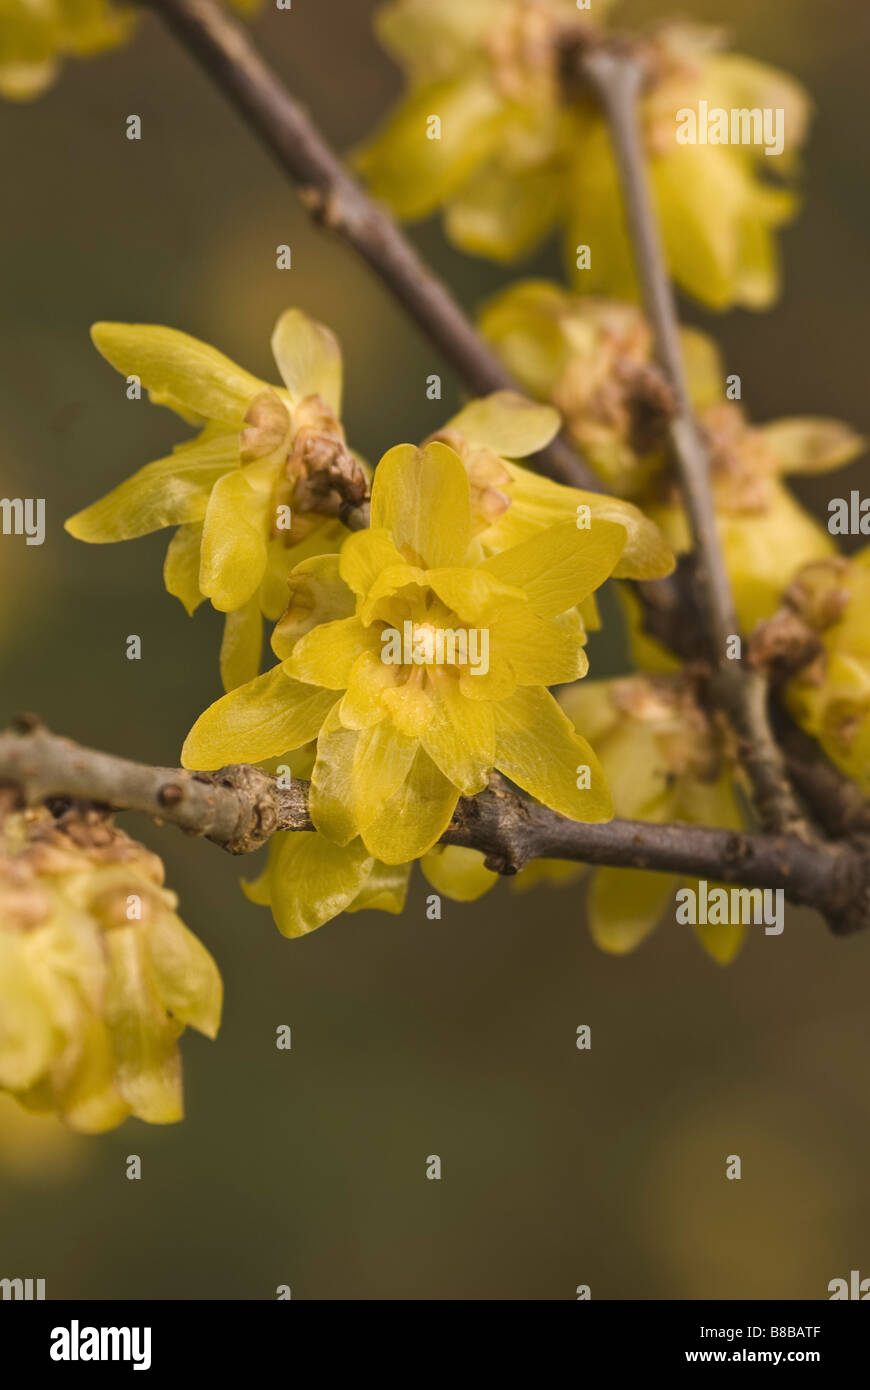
(316, 595)
(422, 497)
(185, 976)
(364, 555)
(179, 371)
(181, 566)
(537, 747)
(26, 1033)
(363, 702)
(169, 492)
(382, 758)
(235, 542)
(415, 173)
(625, 905)
(416, 815)
(309, 358)
(503, 213)
(326, 655)
(384, 890)
(559, 567)
(458, 873)
(147, 1065)
(508, 424)
(90, 1102)
(331, 796)
(538, 502)
(812, 444)
(541, 651)
(460, 737)
(314, 880)
(474, 595)
(241, 646)
(269, 716)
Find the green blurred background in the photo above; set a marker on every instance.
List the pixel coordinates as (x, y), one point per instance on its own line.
(410, 1037)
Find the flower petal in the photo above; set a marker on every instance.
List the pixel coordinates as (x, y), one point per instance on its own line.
(561, 566)
(422, 497)
(181, 566)
(235, 541)
(186, 979)
(458, 873)
(537, 502)
(537, 748)
(541, 651)
(308, 357)
(382, 759)
(364, 555)
(147, 1065)
(415, 174)
(263, 719)
(326, 655)
(625, 905)
(507, 423)
(317, 595)
(812, 444)
(384, 890)
(415, 817)
(331, 799)
(363, 703)
(314, 880)
(169, 492)
(178, 371)
(241, 646)
(460, 736)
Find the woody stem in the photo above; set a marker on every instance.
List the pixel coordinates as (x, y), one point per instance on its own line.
(240, 807)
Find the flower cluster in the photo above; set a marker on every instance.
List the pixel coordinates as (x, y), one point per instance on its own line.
(98, 976)
(497, 131)
(592, 358)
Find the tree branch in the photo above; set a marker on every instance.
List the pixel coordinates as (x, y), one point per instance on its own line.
(337, 201)
(741, 692)
(240, 807)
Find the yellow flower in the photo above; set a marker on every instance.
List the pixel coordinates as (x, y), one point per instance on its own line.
(664, 762)
(593, 360)
(35, 35)
(244, 493)
(420, 667)
(830, 698)
(98, 976)
(491, 133)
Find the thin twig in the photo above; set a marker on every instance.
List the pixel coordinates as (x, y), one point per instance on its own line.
(240, 807)
(337, 201)
(742, 693)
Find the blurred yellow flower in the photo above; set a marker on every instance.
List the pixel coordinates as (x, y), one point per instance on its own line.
(593, 360)
(98, 976)
(830, 698)
(35, 35)
(490, 131)
(664, 761)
